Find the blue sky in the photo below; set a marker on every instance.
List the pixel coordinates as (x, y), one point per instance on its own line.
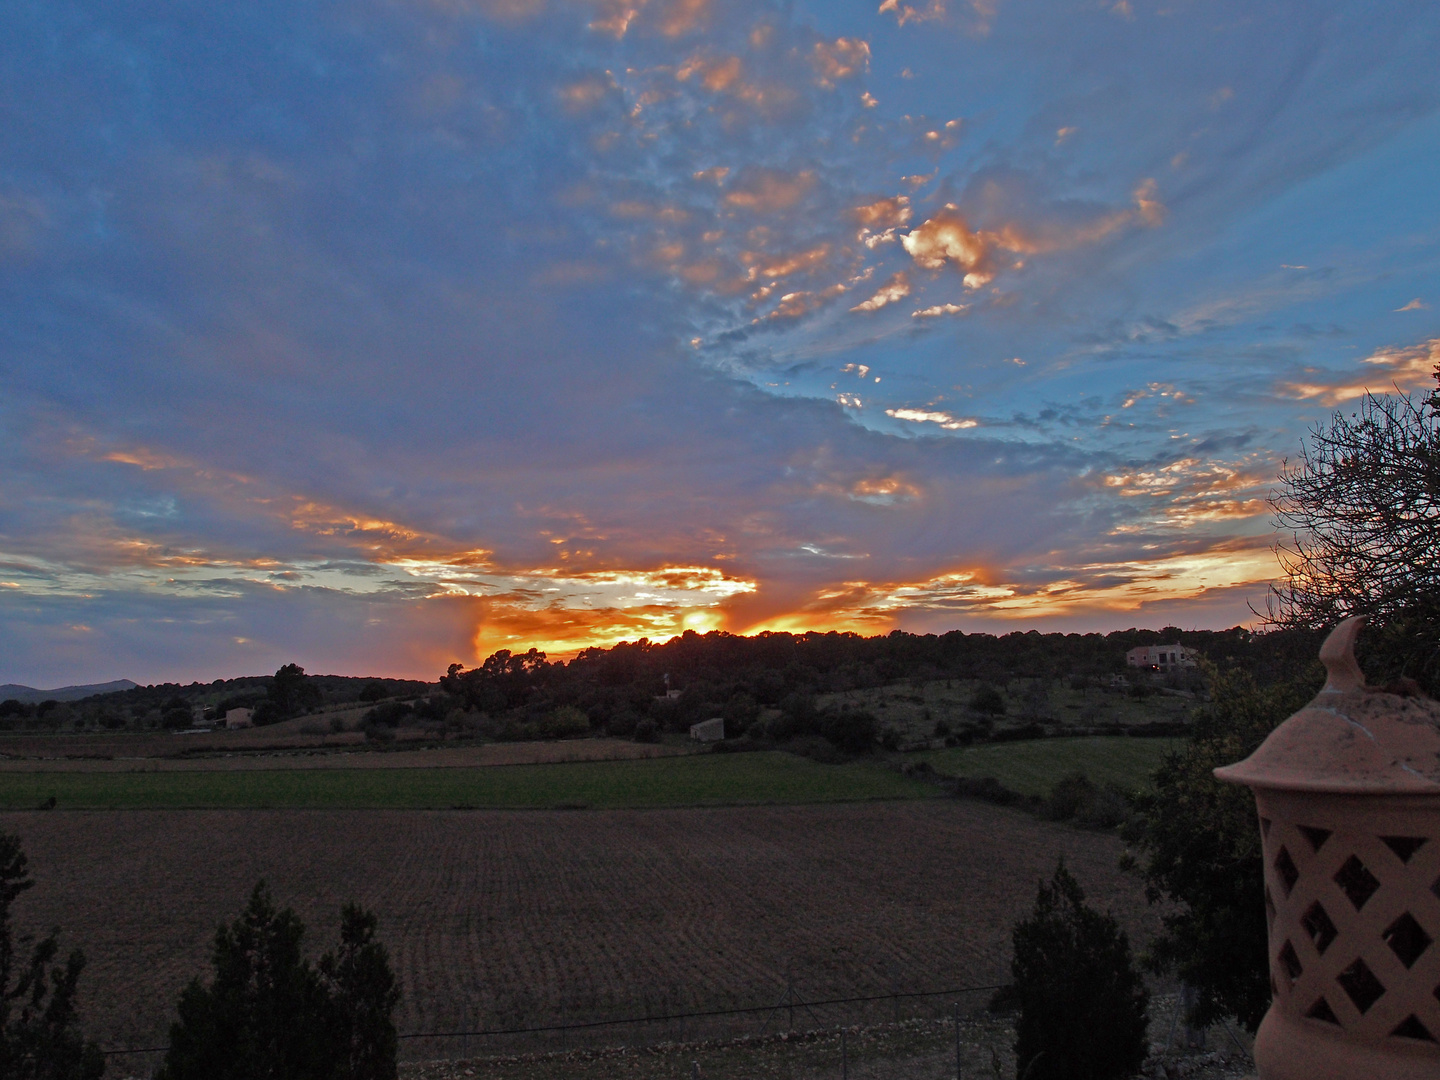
(380, 335)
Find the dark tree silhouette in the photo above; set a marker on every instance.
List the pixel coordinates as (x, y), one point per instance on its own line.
(40, 1037)
(1362, 510)
(268, 1013)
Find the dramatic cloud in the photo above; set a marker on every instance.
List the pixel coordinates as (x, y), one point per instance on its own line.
(377, 337)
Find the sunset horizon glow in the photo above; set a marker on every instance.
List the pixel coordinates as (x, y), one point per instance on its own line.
(383, 336)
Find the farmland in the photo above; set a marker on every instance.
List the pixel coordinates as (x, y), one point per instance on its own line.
(498, 918)
(1032, 767)
(675, 781)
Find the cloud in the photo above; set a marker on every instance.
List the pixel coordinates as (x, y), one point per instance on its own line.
(1407, 368)
(769, 191)
(906, 13)
(947, 236)
(1415, 305)
(669, 18)
(883, 213)
(897, 288)
(930, 416)
(936, 310)
(844, 58)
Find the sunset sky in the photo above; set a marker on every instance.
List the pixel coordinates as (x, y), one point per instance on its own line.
(380, 334)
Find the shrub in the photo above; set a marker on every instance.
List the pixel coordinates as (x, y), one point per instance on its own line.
(374, 691)
(1071, 792)
(389, 713)
(647, 731)
(853, 731)
(1082, 1004)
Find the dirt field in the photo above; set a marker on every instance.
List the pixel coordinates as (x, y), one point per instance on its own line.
(510, 918)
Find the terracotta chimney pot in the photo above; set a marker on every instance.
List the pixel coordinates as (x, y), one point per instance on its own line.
(1348, 792)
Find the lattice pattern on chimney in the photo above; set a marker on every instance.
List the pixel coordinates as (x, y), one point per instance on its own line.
(1354, 919)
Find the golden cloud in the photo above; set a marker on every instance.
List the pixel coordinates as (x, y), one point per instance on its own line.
(845, 58)
(780, 266)
(1407, 368)
(948, 238)
(883, 213)
(897, 288)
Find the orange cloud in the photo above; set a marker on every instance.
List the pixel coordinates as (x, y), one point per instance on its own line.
(767, 191)
(948, 238)
(883, 213)
(671, 18)
(785, 265)
(897, 288)
(845, 58)
(1409, 368)
(905, 13)
(586, 93)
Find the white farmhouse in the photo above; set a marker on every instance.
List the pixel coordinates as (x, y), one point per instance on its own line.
(1161, 657)
(712, 730)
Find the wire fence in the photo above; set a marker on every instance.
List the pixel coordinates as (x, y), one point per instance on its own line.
(695, 1024)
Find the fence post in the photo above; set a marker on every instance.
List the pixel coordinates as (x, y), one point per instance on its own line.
(844, 1056)
(957, 1042)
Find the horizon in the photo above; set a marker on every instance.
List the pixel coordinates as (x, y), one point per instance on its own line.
(387, 336)
(565, 658)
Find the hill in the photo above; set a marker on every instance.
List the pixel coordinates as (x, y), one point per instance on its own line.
(28, 695)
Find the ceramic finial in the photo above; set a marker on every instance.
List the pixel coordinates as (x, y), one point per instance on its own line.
(1343, 674)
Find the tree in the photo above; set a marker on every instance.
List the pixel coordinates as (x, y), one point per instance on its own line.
(1200, 842)
(39, 1039)
(268, 1014)
(365, 994)
(1082, 1003)
(290, 692)
(1362, 510)
(504, 681)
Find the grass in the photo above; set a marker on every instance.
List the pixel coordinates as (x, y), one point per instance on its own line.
(1032, 767)
(706, 779)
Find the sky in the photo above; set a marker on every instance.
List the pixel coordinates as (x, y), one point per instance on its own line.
(378, 335)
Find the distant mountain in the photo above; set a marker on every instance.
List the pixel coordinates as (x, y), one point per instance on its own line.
(30, 696)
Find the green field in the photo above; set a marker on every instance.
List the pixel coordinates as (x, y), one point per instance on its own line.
(1033, 766)
(707, 779)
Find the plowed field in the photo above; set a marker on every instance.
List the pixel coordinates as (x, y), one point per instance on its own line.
(499, 918)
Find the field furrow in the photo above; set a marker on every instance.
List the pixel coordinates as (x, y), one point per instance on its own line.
(534, 917)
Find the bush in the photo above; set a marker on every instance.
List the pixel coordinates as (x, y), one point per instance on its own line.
(374, 691)
(268, 1013)
(1082, 1004)
(390, 713)
(1071, 792)
(647, 731)
(853, 731)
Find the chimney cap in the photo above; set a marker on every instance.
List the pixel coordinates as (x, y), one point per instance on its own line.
(1352, 739)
